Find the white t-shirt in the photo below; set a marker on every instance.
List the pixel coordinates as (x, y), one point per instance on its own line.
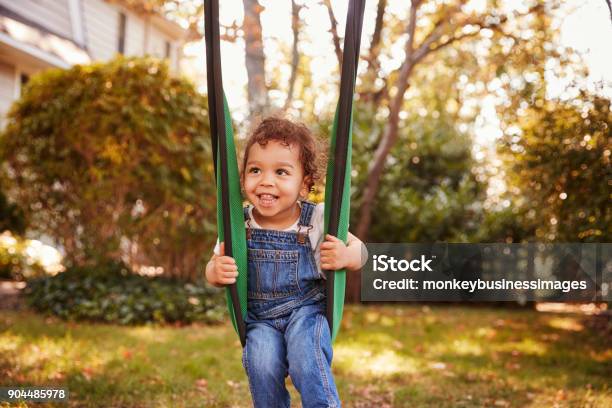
(315, 234)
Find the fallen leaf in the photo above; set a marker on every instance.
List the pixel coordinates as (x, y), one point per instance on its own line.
(561, 395)
(438, 365)
(57, 376)
(499, 323)
(471, 377)
(512, 366)
(87, 372)
(201, 384)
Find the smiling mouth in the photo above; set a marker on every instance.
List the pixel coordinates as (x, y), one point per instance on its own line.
(267, 199)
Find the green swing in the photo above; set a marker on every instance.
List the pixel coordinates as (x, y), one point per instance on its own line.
(230, 218)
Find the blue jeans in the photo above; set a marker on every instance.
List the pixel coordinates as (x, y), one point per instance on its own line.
(299, 345)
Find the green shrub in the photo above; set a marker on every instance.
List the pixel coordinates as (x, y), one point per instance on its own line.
(15, 264)
(11, 216)
(10, 263)
(114, 158)
(111, 293)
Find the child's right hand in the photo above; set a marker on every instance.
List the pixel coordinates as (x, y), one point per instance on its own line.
(224, 269)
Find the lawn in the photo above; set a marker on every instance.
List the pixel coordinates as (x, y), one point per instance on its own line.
(385, 356)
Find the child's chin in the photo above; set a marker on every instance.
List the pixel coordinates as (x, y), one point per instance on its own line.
(266, 210)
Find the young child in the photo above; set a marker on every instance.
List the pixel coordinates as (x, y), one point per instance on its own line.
(287, 332)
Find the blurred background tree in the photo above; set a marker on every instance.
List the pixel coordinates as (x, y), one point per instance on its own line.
(557, 155)
(429, 191)
(112, 161)
(11, 216)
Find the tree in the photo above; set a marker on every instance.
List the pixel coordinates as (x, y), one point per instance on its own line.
(431, 190)
(558, 160)
(11, 217)
(255, 58)
(554, 145)
(295, 55)
(113, 161)
(444, 24)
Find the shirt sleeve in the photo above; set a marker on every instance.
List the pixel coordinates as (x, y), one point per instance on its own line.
(318, 222)
(319, 219)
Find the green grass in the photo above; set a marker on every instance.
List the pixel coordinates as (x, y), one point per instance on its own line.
(404, 356)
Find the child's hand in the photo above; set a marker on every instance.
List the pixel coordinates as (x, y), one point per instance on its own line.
(334, 254)
(224, 270)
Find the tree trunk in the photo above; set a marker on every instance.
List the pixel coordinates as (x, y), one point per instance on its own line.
(369, 93)
(334, 32)
(255, 60)
(295, 56)
(378, 164)
(389, 132)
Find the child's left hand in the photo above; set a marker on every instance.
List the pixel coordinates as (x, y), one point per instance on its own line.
(334, 254)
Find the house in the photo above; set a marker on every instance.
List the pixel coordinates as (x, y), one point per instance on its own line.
(39, 34)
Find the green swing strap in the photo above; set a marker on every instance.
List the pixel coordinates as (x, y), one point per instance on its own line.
(338, 180)
(230, 218)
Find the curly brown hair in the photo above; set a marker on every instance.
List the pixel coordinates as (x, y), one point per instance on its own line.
(289, 133)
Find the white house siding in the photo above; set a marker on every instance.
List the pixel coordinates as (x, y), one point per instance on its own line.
(101, 29)
(51, 14)
(157, 42)
(7, 89)
(134, 34)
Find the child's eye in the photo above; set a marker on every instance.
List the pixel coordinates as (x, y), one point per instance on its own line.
(254, 170)
(281, 171)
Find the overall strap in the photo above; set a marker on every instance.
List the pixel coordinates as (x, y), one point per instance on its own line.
(304, 223)
(305, 220)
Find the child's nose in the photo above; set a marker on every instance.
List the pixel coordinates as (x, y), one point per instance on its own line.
(266, 179)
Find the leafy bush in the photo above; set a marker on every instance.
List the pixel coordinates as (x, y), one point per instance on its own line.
(111, 293)
(15, 264)
(112, 159)
(11, 217)
(557, 155)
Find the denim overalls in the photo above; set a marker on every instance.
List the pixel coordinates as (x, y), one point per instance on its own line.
(287, 332)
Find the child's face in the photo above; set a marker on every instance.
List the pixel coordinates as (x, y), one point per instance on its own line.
(274, 179)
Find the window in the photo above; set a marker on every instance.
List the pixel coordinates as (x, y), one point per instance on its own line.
(122, 23)
(168, 49)
(21, 79)
(24, 78)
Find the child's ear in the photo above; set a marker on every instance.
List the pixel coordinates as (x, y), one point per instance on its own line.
(305, 187)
